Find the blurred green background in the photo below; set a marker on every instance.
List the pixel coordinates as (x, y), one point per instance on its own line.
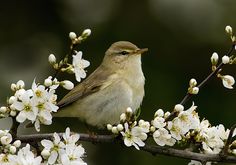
(181, 36)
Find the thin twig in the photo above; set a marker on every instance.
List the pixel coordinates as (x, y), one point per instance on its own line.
(72, 47)
(153, 149)
(203, 83)
(229, 140)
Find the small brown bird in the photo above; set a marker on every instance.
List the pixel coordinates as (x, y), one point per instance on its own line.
(118, 83)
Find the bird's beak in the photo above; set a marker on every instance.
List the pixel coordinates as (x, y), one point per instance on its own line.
(141, 51)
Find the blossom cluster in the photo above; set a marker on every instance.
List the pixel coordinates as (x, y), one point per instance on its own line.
(227, 80)
(35, 104)
(185, 127)
(58, 151)
(38, 103)
(134, 133)
(65, 151)
(7, 146)
(78, 63)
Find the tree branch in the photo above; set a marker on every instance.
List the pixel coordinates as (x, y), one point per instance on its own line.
(229, 140)
(203, 83)
(153, 149)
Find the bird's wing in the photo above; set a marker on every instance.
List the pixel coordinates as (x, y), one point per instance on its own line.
(96, 81)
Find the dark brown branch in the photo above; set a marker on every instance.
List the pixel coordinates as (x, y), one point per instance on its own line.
(14, 127)
(153, 149)
(229, 140)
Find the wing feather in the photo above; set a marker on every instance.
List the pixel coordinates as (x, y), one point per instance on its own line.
(90, 85)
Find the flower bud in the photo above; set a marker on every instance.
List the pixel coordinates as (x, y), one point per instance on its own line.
(5, 140)
(109, 127)
(12, 149)
(11, 99)
(152, 129)
(225, 59)
(214, 58)
(48, 82)
(2, 133)
(233, 38)
(45, 153)
(166, 114)
(179, 107)
(159, 113)
(114, 130)
(13, 87)
(67, 84)
(12, 107)
(229, 30)
(20, 84)
(17, 143)
(120, 127)
(72, 35)
(3, 109)
(129, 110)
(86, 33)
(13, 112)
(122, 117)
(234, 151)
(192, 82)
(195, 90)
(52, 59)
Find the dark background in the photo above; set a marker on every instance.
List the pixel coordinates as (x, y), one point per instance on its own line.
(181, 36)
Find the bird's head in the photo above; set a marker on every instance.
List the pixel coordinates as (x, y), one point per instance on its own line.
(123, 54)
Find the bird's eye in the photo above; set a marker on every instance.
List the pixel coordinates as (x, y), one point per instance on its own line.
(124, 52)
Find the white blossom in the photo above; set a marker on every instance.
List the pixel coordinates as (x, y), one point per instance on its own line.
(159, 122)
(228, 81)
(53, 147)
(70, 138)
(24, 157)
(79, 65)
(134, 136)
(26, 107)
(175, 128)
(72, 155)
(162, 137)
(145, 125)
(64, 151)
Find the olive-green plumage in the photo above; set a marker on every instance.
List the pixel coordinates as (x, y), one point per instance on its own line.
(116, 84)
